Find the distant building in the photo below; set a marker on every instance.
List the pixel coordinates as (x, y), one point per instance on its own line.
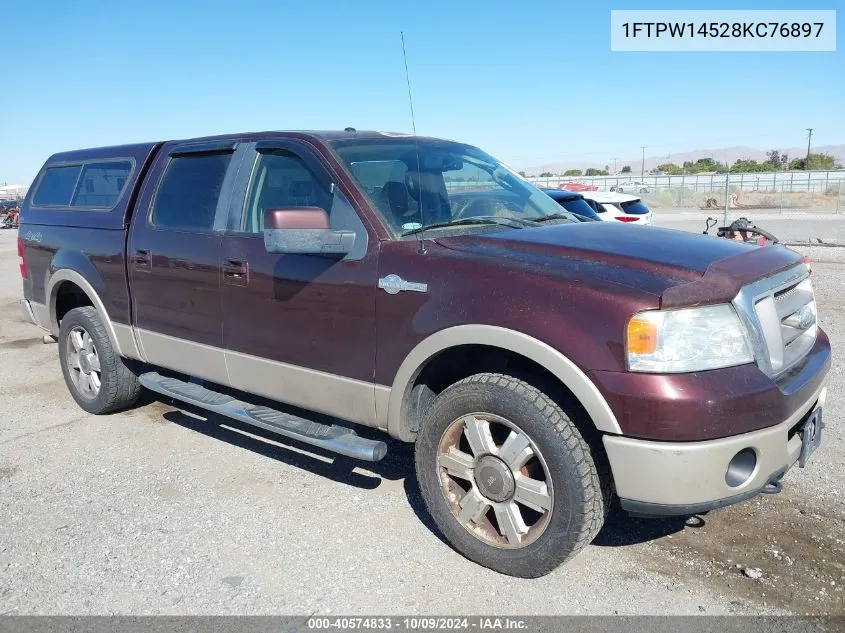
(8, 192)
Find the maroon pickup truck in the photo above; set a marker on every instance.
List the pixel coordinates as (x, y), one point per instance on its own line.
(540, 364)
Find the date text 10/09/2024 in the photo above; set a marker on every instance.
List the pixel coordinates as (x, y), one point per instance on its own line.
(723, 29)
(416, 623)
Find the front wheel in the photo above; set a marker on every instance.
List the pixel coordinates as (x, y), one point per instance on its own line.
(507, 477)
(95, 375)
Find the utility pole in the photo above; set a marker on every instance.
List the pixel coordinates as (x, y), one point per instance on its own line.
(614, 166)
(642, 169)
(809, 140)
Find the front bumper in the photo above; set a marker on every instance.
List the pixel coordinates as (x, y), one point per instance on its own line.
(714, 404)
(675, 478)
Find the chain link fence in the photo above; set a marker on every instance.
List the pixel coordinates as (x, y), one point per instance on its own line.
(822, 191)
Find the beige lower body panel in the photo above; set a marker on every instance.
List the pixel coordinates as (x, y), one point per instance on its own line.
(342, 397)
(188, 357)
(127, 345)
(42, 316)
(689, 473)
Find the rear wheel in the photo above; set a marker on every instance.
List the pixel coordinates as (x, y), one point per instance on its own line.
(97, 378)
(507, 476)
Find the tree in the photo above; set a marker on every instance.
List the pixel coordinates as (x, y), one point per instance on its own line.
(669, 168)
(521, 173)
(573, 172)
(776, 160)
(592, 171)
(546, 174)
(626, 169)
(817, 161)
(703, 165)
(747, 165)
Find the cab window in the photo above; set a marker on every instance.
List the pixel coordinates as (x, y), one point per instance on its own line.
(190, 187)
(282, 179)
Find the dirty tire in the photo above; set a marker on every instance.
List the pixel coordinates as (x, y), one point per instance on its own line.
(580, 499)
(119, 386)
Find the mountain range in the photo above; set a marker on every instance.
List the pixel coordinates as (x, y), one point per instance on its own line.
(724, 154)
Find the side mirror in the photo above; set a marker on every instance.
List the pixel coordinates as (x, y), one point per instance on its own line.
(304, 230)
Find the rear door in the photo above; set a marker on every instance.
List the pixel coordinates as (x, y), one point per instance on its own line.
(174, 258)
(299, 328)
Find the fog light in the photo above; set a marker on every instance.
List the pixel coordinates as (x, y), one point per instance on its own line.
(741, 467)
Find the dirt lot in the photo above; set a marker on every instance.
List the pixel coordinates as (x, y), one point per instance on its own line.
(161, 510)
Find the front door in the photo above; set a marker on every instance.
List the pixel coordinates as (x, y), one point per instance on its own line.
(174, 259)
(299, 328)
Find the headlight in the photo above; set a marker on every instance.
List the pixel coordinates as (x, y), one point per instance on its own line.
(687, 340)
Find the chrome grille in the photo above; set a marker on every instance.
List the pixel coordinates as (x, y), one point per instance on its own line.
(780, 313)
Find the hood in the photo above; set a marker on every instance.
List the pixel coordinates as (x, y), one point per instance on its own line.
(682, 268)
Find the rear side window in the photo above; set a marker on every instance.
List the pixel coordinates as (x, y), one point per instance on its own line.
(635, 207)
(578, 206)
(101, 184)
(598, 207)
(190, 187)
(56, 187)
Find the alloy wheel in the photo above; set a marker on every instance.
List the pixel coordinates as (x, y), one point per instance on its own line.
(495, 480)
(83, 363)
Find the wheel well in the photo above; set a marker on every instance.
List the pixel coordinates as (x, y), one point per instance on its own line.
(68, 297)
(457, 363)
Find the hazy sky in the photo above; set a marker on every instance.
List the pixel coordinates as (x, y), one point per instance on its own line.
(529, 82)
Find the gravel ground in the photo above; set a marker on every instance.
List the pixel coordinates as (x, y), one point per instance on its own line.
(162, 510)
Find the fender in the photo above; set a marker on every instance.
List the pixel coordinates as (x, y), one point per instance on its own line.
(559, 365)
(121, 336)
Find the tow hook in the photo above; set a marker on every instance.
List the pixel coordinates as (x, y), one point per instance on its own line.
(774, 486)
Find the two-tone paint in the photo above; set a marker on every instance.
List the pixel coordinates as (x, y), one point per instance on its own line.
(324, 334)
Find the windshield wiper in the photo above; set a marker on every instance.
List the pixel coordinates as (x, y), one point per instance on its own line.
(556, 216)
(515, 223)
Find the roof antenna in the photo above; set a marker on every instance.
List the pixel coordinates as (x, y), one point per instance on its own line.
(421, 249)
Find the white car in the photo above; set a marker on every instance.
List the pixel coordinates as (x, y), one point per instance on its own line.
(631, 186)
(621, 207)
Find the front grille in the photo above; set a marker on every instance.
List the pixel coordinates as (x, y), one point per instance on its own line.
(779, 313)
(786, 317)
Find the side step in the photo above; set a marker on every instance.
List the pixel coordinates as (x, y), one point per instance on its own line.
(333, 438)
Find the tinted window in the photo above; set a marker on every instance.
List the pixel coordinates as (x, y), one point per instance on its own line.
(635, 207)
(579, 206)
(596, 206)
(190, 187)
(56, 187)
(282, 180)
(101, 184)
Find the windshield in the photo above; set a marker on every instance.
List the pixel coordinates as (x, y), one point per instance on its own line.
(418, 184)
